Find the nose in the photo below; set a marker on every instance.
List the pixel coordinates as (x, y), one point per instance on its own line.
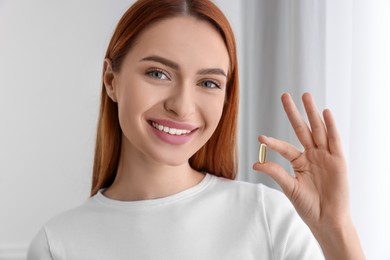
(181, 101)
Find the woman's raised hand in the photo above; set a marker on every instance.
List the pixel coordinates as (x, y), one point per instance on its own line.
(319, 189)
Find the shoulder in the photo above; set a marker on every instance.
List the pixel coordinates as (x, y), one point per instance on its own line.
(288, 236)
(272, 204)
(257, 198)
(61, 226)
(39, 247)
(74, 216)
(258, 192)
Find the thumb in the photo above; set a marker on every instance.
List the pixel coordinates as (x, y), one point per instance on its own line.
(278, 174)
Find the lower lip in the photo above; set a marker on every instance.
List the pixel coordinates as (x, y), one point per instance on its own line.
(172, 139)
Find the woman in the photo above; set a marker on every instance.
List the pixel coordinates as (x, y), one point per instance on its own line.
(165, 157)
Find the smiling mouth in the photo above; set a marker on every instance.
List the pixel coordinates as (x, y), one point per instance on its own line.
(170, 130)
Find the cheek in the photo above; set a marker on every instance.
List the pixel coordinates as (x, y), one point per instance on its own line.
(220, 104)
(218, 115)
(213, 110)
(136, 95)
(133, 100)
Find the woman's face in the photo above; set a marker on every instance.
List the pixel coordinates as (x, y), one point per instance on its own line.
(171, 89)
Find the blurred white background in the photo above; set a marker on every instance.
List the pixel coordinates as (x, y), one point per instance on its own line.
(51, 57)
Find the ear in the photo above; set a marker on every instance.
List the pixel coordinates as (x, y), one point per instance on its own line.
(109, 80)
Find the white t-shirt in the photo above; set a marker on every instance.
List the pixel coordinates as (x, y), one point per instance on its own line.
(216, 219)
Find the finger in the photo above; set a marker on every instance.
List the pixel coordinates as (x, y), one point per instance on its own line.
(278, 174)
(334, 139)
(317, 126)
(285, 149)
(299, 125)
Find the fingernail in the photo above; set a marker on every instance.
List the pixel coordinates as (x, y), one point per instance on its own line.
(263, 138)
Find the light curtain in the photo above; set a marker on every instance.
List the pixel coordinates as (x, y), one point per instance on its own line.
(340, 52)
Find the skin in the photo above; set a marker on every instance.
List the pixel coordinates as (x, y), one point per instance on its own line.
(151, 168)
(319, 189)
(148, 88)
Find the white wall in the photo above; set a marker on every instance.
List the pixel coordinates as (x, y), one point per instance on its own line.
(51, 56)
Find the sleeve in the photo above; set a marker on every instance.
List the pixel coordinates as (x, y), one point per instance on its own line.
(290, 237)
(39, 248)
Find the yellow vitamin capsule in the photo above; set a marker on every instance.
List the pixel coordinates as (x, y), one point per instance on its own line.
(262, 153)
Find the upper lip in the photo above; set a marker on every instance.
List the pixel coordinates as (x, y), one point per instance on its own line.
(172, 124)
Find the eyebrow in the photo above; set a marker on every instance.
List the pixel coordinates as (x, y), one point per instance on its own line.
(176, 66)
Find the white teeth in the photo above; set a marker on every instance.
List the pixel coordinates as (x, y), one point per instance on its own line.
(171, 131)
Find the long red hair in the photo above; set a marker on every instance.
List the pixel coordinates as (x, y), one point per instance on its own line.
(219, 155)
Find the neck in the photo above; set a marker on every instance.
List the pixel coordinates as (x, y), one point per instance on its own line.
(141, 178)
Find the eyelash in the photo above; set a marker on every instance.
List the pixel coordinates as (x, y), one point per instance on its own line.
(154, 70)
(166, 74)
(216, 83)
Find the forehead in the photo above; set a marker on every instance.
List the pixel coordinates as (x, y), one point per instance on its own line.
(184, 39)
